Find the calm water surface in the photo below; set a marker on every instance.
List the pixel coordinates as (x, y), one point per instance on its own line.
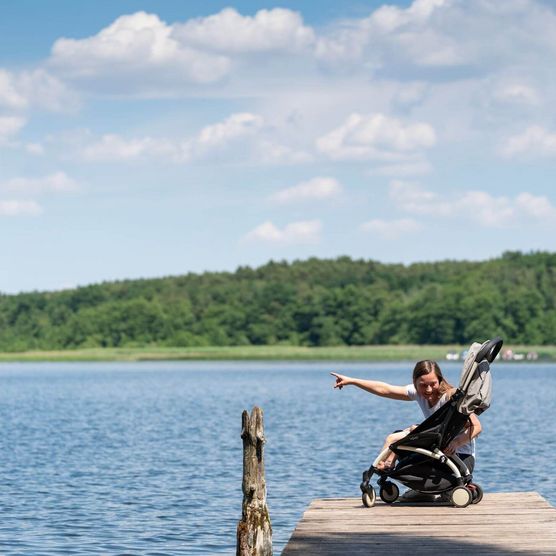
(145, 459)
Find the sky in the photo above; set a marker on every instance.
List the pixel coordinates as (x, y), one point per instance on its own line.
(141, 139)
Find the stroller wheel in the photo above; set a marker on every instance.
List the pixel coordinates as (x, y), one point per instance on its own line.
(369, 497)
(477, 493)
(461, 497)
(389, 492)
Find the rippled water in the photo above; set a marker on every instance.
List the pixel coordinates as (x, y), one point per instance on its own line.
(145, 459)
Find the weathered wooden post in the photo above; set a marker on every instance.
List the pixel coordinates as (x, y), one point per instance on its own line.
(254, 532)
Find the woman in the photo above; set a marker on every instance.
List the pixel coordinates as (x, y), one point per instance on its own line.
(431, 391)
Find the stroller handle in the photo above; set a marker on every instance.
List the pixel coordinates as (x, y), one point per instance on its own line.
(489, 350)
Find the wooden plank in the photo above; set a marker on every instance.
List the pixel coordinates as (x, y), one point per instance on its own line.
(503, 523)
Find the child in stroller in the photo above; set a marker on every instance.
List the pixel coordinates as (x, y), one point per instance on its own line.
(435, 457)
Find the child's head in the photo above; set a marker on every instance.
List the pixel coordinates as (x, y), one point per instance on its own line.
(429, 381)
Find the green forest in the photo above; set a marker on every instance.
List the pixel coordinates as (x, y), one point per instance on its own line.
(314, 302)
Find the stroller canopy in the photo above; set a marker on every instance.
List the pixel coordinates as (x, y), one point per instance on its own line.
(475, 381)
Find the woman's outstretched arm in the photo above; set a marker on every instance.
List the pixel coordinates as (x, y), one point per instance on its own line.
(373, 386)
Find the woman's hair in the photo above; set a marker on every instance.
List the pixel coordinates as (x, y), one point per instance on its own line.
(427, 366)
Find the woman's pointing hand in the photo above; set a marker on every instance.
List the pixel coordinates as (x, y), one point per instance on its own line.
(341, 380)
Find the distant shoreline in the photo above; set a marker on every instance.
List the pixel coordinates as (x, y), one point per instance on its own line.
(267, 353)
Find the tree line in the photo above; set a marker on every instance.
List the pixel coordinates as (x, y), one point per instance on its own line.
(313, 302)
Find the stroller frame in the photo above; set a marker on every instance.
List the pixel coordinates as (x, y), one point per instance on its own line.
(422, 465)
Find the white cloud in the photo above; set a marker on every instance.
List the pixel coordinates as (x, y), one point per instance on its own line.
(390, 18)
(58, 182)
(10, 125)
(344, 44)
(44, 90)
(304, 232)
(435, 71)
(391, 229)
(137, 49)
(210, 140)
(536, 206)
(412, 198)
(141, 55)
(315, 189)
(486, 209)
(9, 95)
(376, 137)
(535, 141)
(37, 88)
(476, 206)
(17, 208)
(36, 149)
(273, 153)
(114, 147)
(228, 31)
(518, 94)
(415, 34)
(235, 126)
(241, 137)
(392, 35)
(436, 35)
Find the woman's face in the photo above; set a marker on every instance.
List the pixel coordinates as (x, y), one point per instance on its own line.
(428, 387)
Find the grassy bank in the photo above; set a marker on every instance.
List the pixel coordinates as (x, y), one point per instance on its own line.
(284, 353)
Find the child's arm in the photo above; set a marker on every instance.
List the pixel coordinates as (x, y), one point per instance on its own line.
(472, 430)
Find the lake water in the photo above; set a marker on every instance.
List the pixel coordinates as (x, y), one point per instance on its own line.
(146, 458)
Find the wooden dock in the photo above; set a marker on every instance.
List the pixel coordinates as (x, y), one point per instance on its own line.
(503, 523)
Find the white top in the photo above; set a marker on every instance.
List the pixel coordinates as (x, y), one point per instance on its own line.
(428, 410)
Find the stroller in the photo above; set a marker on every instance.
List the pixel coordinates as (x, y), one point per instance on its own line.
(422, 465)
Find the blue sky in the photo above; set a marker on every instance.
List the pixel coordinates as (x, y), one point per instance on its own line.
(143, 139)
